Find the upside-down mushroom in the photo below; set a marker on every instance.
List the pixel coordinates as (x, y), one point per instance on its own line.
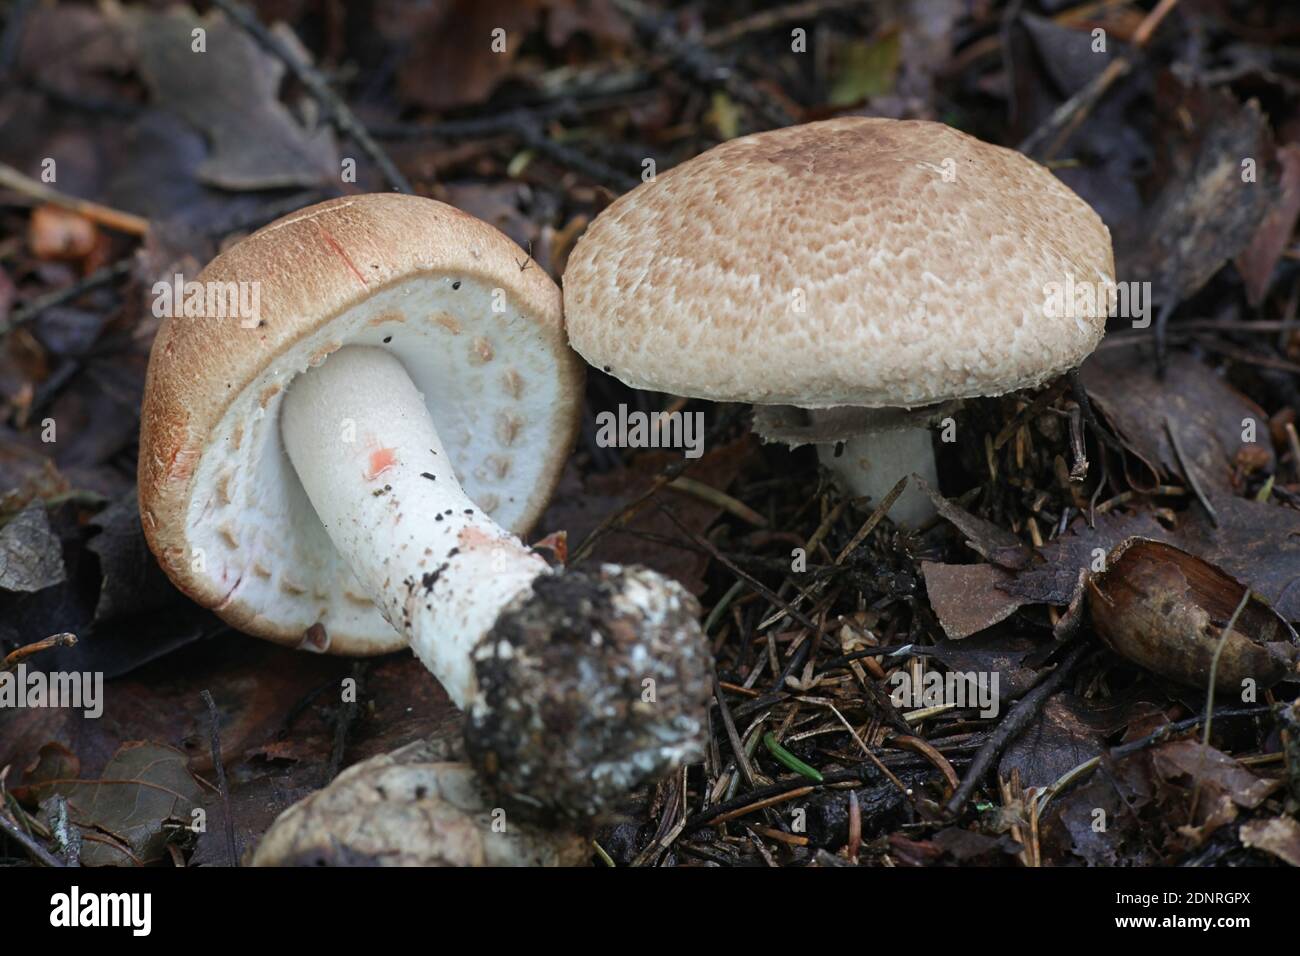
(349, 473)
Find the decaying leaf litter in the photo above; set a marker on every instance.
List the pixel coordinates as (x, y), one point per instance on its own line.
(809, 762)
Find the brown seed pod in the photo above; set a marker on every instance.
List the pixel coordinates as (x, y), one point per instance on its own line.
(1165, 610)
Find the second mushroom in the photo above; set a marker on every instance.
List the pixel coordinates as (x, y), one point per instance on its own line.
(853, 278)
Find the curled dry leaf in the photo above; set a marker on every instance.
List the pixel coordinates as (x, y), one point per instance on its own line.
(1166, 610)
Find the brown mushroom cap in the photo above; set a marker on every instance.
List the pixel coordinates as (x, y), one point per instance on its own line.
(915, 286)
(481, 337)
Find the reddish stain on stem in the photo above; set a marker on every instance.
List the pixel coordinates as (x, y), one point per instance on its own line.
(381, 459)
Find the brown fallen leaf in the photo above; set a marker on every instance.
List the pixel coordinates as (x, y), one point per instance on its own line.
(1279, 836)
(1166, 611)
(145, 795)
(453, 56)
(1206, 785)
(53, 762)
(231, 93)
(1258, 260)
(1069, 731)
(1105, 821)
(1208, 416)
(1055, 580)
(1009, 655)
(1208, 209)
(1255, 542)
(966, 597)
(986, 539)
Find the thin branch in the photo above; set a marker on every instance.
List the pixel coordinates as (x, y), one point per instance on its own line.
(106, 216)
(1026, 709)
(21, 837)
(222, 787)
(38, 305)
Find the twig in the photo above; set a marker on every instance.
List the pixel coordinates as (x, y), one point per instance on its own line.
(745, 576)
(310, 77)
(1214, 665)
(701, 63)
(719, 499)
(65, 831)
(38, 305)
(774, 19)
(535, 136)
(763, 804)
(1157, 736)
(1026, 709)
(1209, 704)
(106, 216)
(738, 748)
(14, 658)
(1066, 118)
(347, 716)
(1189, 472)
(1090, 418)
(877, 516)
(20, 836)
(214, 741)
(766, 796)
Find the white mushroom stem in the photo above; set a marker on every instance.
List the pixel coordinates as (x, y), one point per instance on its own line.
(873, 462)
(366, 450)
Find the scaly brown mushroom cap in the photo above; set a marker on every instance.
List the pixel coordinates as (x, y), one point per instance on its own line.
(856, 261)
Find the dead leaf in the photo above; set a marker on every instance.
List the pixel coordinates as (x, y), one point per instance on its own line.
(31, 557)
(1070, 730)
(451, 60)
(1010, 656)
(1216, 783)
(1256, 542)
(127, 816)
(986, 539)
(1102, 820)
(1279, 836)
(1258, 260)
(1080, 549)
(1207, 210)
(231, 93)
(966, 597)
(53, 762)
(132, 582)
(1208, 416)
(1166, 611)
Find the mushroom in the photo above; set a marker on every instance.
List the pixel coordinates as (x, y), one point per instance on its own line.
(858, 274)
(349, 475)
